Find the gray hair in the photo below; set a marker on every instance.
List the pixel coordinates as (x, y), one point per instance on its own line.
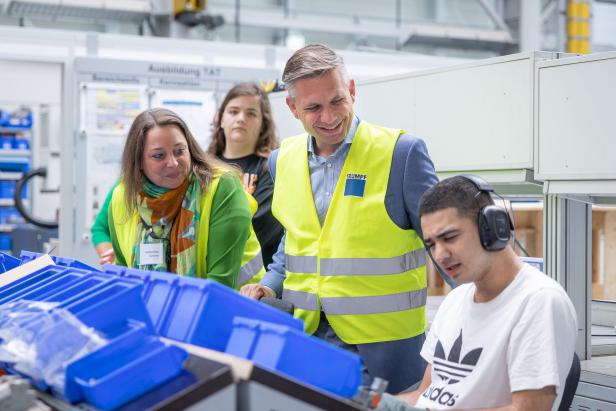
(314, 60)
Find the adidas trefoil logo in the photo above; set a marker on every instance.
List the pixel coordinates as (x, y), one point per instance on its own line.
(450, 368)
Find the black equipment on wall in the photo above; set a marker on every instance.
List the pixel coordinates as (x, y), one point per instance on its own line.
(19, 204)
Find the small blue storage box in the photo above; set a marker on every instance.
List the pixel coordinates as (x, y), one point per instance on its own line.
(124, 369)
(296, 354)
(21, 144)
(6, 141)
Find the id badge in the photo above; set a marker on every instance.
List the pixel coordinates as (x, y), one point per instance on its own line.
(151, 254)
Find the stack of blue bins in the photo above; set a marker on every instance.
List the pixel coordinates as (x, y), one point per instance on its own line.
(210, 315)
(132, 361)
(191, 310)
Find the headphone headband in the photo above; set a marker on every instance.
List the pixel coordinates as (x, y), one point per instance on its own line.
(480, 183)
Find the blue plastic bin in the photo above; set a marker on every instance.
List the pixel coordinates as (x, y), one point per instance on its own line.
(29, 280)
(7, 189)
(123, 369)
(132, 362)
(198, 311)
(41, 288)
(298, 355)
(201, 312)
(99, 300)
(5, 242)
(8, 262)
(14, 163)
(21, 144)
(6, 141)
(12, 216)
(107, 308)
(20, 118)
(27, 256)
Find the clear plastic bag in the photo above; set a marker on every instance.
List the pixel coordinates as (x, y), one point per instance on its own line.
(41, 340)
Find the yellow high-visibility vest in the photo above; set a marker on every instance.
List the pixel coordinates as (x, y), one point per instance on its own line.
(363, 271)
(125, 228)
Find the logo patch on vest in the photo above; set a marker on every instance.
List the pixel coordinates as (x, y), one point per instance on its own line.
(355, 184)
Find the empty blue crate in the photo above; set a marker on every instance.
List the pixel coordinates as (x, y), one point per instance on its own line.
(9, 291)
(296, 354)
(198, 311)
(101, 301)
(124, 369)
(40, 284)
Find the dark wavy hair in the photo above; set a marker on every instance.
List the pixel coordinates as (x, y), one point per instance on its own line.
(132, 158)
(267, 140)
(457, 192)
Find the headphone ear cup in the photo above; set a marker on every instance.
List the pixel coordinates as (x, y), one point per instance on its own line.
(495, 228)
(484, 231)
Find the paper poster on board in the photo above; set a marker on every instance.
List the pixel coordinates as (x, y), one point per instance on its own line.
(111, 108)
(196, 108)
(107, 112)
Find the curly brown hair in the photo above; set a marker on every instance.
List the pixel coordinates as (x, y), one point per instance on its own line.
(267, 140)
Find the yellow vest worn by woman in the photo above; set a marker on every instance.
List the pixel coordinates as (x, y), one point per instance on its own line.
(251, 270)
(363, 271)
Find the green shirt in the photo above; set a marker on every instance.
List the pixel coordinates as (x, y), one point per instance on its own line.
(229, 225)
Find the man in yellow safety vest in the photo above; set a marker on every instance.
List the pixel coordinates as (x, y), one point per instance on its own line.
(352, 261)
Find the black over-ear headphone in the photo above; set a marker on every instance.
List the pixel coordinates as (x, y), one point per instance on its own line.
(494, 222)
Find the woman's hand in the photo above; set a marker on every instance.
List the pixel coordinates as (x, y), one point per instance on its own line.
(257, 291)
(105, 253)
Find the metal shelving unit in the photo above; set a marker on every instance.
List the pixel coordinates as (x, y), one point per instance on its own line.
(11, 160)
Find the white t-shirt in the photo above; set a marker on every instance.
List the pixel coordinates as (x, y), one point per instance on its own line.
(480, 353)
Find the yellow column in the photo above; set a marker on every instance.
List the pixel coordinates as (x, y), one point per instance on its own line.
(578, 26)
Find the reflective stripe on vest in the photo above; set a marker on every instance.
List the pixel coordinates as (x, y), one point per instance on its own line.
(250, 269)
(300, 263)
(357, 266)
(358, 305)
(375, 304)
(301, 300)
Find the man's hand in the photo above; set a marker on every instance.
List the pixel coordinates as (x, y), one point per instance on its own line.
(257, 291)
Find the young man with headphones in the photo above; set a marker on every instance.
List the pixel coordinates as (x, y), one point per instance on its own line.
(504, 339)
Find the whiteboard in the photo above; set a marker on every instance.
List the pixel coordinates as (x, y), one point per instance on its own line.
(196, 107)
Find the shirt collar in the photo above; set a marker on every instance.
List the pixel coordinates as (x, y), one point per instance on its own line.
(346, 142)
